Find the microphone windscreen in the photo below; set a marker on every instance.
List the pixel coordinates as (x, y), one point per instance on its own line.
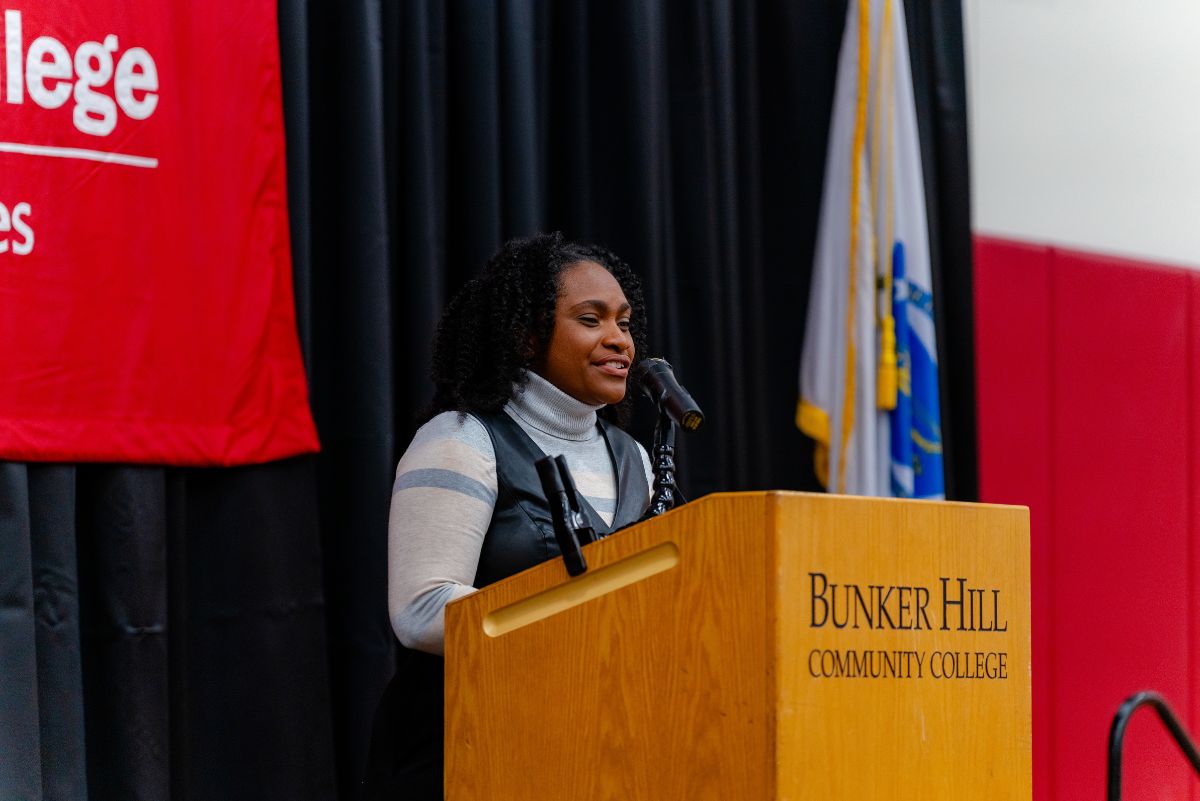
(657, 380)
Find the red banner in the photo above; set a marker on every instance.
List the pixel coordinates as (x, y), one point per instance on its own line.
(146, 309)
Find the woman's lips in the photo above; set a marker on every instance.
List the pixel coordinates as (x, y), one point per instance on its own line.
(613, 367)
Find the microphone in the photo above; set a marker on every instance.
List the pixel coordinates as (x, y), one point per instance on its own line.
(658, 381)
(562, 496)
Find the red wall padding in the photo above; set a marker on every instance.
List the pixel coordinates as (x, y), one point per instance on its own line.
(1013, 370)
(1085, 373)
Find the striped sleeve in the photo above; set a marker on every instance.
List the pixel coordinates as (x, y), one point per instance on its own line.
(442, 504)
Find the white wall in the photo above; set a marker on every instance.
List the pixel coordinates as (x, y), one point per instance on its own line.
(1085, 123)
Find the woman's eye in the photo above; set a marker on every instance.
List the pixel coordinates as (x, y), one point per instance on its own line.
(624, 325)
(589, 319)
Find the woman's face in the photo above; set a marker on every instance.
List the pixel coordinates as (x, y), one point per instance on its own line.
(591, 348)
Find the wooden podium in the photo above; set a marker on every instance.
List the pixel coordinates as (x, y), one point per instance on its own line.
(754, 646)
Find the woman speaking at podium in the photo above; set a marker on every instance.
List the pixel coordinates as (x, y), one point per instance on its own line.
(531, 358)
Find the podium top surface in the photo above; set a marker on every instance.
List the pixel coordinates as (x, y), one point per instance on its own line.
(855, 498)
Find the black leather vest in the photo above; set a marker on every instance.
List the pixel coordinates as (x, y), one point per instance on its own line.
(521, 534)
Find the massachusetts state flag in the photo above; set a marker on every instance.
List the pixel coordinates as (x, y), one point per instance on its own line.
(868, 374)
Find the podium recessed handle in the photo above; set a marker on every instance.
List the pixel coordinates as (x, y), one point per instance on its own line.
(596, 583)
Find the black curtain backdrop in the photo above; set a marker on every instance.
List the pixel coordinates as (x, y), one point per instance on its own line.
(182, 633)
(935, 37)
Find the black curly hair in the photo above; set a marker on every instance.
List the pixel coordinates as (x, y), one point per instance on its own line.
(499, 323)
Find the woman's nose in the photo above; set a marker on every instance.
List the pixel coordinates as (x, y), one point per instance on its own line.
(616, 337)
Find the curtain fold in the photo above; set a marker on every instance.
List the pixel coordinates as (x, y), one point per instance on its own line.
(351, 373)
(122, 542)
(41, 692)
(255, 694)
(162, 633)
(56, 608)
(20, 735)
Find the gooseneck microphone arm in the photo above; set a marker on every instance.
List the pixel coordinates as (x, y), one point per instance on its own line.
(666, 494)
(675, 408)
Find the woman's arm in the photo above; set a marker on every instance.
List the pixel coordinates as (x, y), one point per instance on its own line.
(442, 505)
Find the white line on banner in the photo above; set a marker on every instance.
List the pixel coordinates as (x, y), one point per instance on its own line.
(79, 153)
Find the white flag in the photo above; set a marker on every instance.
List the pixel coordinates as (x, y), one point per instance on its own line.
(855, 375)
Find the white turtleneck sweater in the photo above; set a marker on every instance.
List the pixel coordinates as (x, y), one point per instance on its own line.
(445, 491)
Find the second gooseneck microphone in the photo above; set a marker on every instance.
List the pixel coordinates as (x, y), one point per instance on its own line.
(657, 379)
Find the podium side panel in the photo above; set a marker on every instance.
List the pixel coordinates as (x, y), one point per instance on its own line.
(654, 690)
(903, 650)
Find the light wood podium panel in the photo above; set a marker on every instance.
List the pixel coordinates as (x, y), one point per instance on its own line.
(754, 646)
